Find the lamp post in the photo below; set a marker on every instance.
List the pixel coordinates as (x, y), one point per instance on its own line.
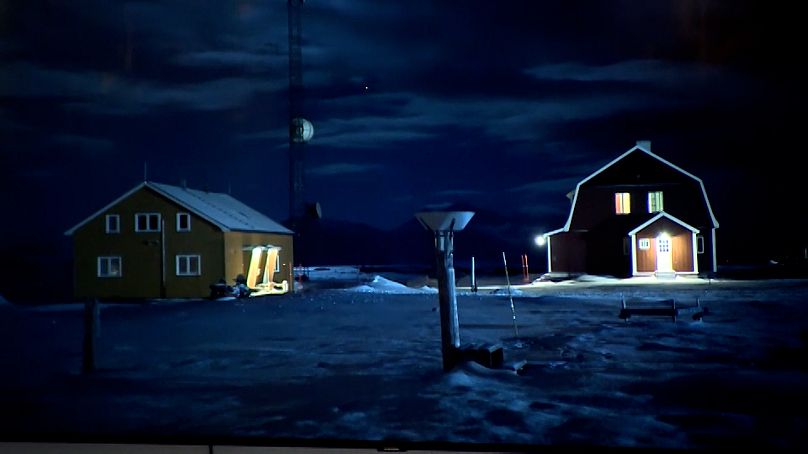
(443, 224)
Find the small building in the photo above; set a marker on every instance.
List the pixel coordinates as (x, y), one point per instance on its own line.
(638, 215)
(163, 241)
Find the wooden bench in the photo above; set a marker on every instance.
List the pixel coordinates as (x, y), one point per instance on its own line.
(662, 308)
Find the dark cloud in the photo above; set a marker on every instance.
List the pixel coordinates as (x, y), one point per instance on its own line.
(343, 168)
(476, 100)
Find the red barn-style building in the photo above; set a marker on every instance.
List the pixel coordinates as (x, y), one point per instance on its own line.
(638, 215)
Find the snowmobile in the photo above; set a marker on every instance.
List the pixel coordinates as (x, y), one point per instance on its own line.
(222, 290)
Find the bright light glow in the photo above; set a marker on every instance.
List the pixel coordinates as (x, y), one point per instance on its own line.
(540, 240)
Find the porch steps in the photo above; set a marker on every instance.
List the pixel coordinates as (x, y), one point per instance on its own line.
(665, 275)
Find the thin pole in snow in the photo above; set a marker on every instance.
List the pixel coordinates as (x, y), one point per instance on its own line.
(473, 276)
(510, 297)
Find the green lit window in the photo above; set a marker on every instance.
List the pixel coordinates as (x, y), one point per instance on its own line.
(655, 202)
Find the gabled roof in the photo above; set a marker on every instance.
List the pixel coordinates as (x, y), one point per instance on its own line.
(638, 148)
(219, 209)
(659, 216)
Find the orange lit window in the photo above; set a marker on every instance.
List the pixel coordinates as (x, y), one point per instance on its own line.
(622, 203)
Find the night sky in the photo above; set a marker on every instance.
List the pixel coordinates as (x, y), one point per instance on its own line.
(502, 105)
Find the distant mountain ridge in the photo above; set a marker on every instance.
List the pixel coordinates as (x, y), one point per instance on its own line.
(488, 234)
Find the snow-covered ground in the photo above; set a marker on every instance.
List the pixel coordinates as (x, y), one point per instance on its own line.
(361, 362)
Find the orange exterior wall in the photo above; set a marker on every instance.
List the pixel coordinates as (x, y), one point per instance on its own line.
(681, 247)
(567, 253)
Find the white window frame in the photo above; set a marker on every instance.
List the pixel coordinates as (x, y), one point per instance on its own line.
(148, 217)
(699, 244)
(186, 259)
(644, 244)
(186, 216)
(108, 259)
(110, 217)
(278, 263)
(655, 202)
(622, 203)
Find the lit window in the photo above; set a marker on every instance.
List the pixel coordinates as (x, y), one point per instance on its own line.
(700, 244)
(655, 202)
(183, 222)
(645, 243)
(113, 223)
(109, 266)
(663, 245)
(147, 222)
(622, 203)
(277, 263)
(189, 265)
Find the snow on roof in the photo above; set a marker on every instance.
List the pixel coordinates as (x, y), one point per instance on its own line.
(220, 209)
(662, 214)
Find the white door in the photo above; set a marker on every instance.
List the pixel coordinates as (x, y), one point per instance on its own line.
(664, 259)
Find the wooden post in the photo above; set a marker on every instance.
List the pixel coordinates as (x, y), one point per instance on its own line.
(162, 257)
(525, 269)
(91, 331)
(673, 312)
(292, 276)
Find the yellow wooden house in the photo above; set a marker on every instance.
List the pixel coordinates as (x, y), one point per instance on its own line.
(164, 241)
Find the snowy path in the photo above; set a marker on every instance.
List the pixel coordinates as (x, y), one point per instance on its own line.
(353, 365)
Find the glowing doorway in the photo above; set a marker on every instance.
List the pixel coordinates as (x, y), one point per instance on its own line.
(664, 257)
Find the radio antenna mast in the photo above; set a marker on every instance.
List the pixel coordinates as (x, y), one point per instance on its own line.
(300, 129)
